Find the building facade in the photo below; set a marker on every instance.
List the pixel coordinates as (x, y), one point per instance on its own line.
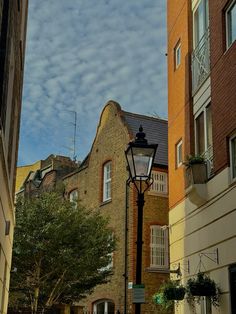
(43, 175)
(102, 186)
(202, 121)
(13, 20)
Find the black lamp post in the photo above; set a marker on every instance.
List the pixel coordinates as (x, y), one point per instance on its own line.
(140, 156)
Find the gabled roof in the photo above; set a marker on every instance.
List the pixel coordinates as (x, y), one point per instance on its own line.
(156, 131)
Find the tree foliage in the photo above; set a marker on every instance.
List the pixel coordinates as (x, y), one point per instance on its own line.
(61, 252)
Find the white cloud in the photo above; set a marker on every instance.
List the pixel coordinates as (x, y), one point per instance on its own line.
(79, 55)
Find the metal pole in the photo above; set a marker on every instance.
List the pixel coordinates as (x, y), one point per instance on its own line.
(140, 203)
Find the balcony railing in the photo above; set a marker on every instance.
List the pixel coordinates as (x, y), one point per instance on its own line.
(200, 62)
(208, 155)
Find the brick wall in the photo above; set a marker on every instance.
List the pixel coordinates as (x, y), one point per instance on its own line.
(109, 144)
(223, 84)
(11, 79)
(179, 101)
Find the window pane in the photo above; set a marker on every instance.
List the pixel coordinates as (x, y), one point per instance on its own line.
(179, 158)
(159, 247)
(200, 134)
(231, 24)
(199, 23)
(233, 157)
(232, 275)
(209, 126)
(159, 182)
(107, 181)
(101, 308)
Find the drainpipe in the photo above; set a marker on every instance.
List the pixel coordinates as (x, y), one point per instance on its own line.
(126, 244)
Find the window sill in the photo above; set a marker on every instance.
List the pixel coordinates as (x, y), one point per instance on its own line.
(157, 270)
(105, 202)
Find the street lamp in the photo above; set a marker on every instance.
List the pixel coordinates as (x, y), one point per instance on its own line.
(140, 157)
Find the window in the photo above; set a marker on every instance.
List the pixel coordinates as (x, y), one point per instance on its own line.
(159, 185)
(73, 196)
(104, 307)
(232, 282)
(110, 255)
(179, 153)
(203, 130)
(177, 54)
(205, 305)
(159, 247)
(232, 147)
(231, 24)
(201, 21)
(107, 181)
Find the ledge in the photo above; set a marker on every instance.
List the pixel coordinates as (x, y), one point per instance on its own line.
(157, 270)
(197, 193)
(105, 203)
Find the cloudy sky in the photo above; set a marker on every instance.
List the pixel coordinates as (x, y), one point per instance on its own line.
(80, 54)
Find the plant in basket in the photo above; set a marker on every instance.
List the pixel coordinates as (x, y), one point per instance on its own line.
(202, 285)
(170, 292)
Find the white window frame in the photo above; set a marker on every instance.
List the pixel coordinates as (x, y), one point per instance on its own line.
(205, 20)
(229, 41)
(107, 181)
(204, 111)
(205, 305)
(159, 250)
(105, 305)
(179, 159)
(177, 53)
(160, 183)
(232, 176)
(73, 197)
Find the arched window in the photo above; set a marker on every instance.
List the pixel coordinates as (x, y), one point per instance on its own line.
(104, 307)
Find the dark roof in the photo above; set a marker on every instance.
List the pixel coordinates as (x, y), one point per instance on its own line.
(156, 131)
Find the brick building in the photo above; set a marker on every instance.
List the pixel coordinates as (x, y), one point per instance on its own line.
(202, 121)
(43, 175)
(102, 186)
(13, 20)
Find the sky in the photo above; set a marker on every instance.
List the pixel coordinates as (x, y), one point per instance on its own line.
(79, 55)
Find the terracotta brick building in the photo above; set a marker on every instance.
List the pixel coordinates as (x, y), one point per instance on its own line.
(44, 174)
(202, 121)
(102, 186)
(13, 21)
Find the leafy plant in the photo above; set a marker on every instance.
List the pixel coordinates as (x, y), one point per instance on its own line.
(169, 293)
(197, 159)
(202, 285)
(61, 252)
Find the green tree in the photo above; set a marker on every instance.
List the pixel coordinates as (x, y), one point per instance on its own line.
(60, 252)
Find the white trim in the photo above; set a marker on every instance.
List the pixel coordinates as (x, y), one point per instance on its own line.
(179, 161)
(106, 181)
(161, 247)
(196, 116)
(228, 45)
(205, 18)
(177, 53)
(160, 183)
(232, 178)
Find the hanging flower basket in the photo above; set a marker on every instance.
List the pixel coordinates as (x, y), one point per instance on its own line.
(196, 170)
(169, 294)
(203, 285)
(174, 293)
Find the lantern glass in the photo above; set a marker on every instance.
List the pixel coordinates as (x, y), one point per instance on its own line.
(140, 161)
